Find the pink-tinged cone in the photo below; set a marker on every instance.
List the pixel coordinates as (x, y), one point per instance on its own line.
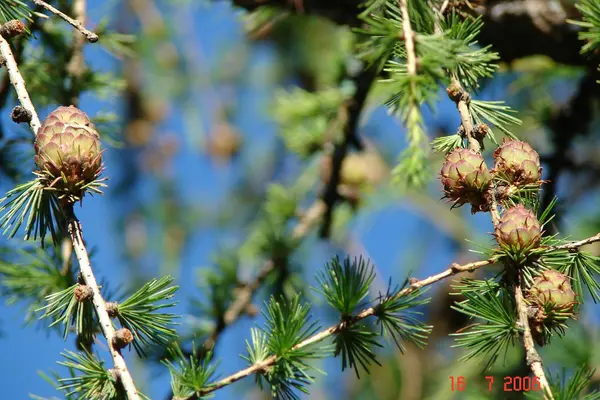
(519, 162)
(67, 149)
(465, 177)
(518, 229)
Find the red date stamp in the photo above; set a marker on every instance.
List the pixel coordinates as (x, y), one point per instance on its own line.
(510, 384)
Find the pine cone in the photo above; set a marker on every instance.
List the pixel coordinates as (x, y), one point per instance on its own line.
(518, 229)
(551, 301)
(465, 178)
(552, 289)
(67, 150)
(518, 161)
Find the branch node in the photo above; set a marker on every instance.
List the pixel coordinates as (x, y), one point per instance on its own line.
(455, 92)
(533, 357)
(91, 36)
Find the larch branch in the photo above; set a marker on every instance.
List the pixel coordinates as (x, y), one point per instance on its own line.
(534, 361)
(409, 39)
(85, 268)
(368, 312)
(19, 84)
(75, 233)
(462, 104)
(91, 36)
(454, 269)
(349, 117)
(76, 66)
(246, 293)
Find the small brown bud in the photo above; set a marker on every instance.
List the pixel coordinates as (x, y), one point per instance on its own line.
(455, 92)
(20, 114)
(83, 293)
(480, 131)
(112, 308)
(455, 268)
(2, 61)
(12, 28)
(122, 338)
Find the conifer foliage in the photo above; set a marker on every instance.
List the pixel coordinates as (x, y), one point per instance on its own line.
(531, 283)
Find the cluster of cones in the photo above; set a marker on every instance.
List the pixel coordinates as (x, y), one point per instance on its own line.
(467, 180)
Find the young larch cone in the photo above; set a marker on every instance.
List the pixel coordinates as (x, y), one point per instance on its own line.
(518, 161)
(67, 150)
(553, 289)
(465, 177)
(518, 229)
(552, 301)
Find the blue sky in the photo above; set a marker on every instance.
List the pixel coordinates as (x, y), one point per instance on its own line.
(387, 233)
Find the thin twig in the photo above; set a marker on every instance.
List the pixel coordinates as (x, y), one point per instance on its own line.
(461, 97)
(409, 39)
(350, 116)
(17, 81)
(245, 294)
(577, 245)
(76, 65)
(533, 359)
(85, 268)
(494, 208)
(444, 6)
(465, 115)
(91, 36)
